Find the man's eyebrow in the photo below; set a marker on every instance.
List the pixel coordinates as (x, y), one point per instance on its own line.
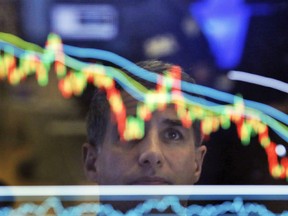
(172, 122)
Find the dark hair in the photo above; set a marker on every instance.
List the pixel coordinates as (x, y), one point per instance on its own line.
(99, 111)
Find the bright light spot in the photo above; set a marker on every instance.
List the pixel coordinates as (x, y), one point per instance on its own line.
(161, 45)
(280, 150)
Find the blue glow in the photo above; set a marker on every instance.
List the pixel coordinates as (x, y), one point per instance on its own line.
(111, 57)
(237, 206)
(225, 25)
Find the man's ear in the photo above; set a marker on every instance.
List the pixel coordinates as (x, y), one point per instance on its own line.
(90, 154)
(199, 157)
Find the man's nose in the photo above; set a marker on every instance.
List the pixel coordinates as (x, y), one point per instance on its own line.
(151, 153)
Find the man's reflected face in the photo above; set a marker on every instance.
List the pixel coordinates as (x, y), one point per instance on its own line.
(165, 155)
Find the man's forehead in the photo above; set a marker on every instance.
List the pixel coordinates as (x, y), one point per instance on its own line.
(166, 117)
(131, 107)
(130, 103)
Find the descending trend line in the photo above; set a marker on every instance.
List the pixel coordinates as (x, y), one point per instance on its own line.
(21, 59)
(152, 77)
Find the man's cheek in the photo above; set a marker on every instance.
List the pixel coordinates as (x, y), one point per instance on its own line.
(118, 162)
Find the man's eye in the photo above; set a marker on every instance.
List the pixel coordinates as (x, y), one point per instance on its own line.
(172, 134)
